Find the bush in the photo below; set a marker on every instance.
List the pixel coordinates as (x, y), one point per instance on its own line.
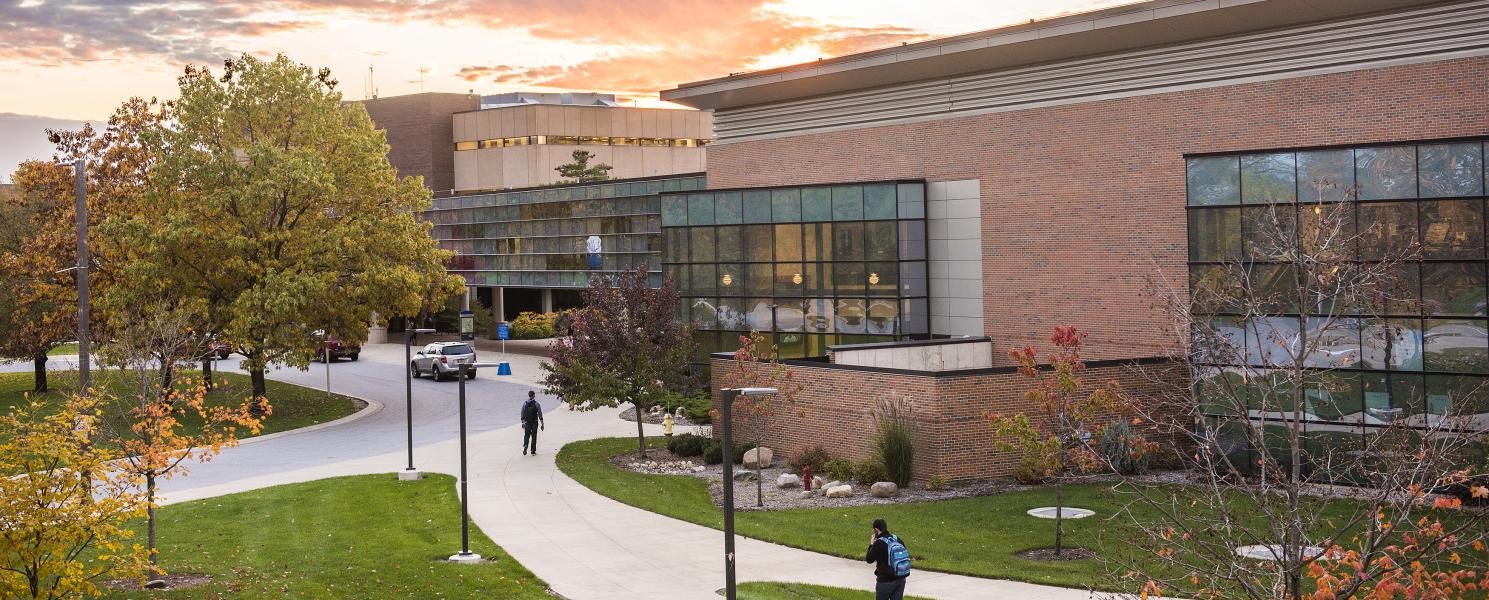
(1117, 448)
(935, 482)
(713, 452)
(814, 457)
(840, 469)
(533, 326)
(695, 408)
(870, 472)
(894, 441)
(687, 444)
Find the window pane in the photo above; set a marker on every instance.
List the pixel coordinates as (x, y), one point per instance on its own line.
(878, 201)
(817, 279)
(1448, 394)
(1333, 343)
(785, 205)
(731, 279)
(674, 210)
(1453, 289)
(847, 203)
(1271, 341)
(757, 206)
(1451, 170)
(881, 240)
(1219, 340)
(1270, 232)
(728, 243)
(1326, 175)
(1387, 230)
(758, 314)
(1327, 232)
(676, 249)
(847, 241)
(1456, 345)
(883, 278)
(788, 242)
(700, 209)
(702, 279)
(884, 316)
(757, 242)
(819, 315)
(790, 316)
(1386, 173)
(1267, 178)
(1453, 229)
(702, 244)
(816, 204)
(1392, 344)
(850, 316)
(817, 245)
(1214, 234)
(1274, 288)
(1334, 396)
(761, 279)
(1214, 289)
(704, 314)
(789, 280)
(726, 208)
(1408, 394)
(849, 279)
(1214, 180)
(732, 314)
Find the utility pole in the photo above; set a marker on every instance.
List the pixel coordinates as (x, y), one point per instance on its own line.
(80, 170)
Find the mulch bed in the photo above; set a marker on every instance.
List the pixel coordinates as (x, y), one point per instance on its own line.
(173, 581)
(679, 421)
(1048, 554)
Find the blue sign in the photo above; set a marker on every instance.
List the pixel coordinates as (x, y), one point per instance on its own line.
(502, 332)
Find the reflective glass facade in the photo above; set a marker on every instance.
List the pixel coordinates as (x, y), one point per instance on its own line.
(555, 237)
(1424, 351)
(816, 265)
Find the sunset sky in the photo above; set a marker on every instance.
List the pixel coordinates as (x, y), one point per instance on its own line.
(66, 61)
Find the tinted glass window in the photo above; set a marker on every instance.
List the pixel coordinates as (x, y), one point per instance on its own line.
(1267, 178)
(816, 204)
(1214, 180)
(847, 203)
(727, 208)
(1326, 175)
(700, 209)
(1453, 229)
(1214, 234)
(757, 206)
(878, 201)
(786, 205)
(456, 349)
(1386, 173)
(1451, 170)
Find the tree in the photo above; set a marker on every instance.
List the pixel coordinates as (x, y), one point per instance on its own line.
(273, 205)
(61, 531)
(579, 171)
(757, 364)
(1069, 419)
(626, 347)
(1281, 416)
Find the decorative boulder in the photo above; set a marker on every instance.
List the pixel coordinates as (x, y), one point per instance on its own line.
(884, 489)
(758, 458)
(827, 486)
(840, 491)
(817, 482)
(744, 476)
(805, 494)
(787, 480)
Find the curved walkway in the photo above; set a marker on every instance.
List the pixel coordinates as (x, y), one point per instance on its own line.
(586, 546)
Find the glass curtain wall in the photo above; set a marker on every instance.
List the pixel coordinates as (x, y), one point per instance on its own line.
(815, 265)
(1429, 351)
(555, 237)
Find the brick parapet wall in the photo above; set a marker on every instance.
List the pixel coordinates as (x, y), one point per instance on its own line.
(834, 409)
(1083, 203)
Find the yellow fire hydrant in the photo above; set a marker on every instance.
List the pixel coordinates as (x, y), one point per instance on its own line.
(667, 424)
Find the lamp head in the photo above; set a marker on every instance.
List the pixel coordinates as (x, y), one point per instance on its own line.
(754, 391)
(423, 331)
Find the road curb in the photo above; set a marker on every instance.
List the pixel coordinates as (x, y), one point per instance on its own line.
(372, 408)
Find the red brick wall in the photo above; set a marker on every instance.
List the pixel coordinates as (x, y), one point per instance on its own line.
(834, 410)
(1083, 202)
(420, 129)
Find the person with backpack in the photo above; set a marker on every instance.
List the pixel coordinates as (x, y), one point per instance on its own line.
(892, 563)
(532, 421)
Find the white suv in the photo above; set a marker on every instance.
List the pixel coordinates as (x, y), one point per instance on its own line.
(443, 358)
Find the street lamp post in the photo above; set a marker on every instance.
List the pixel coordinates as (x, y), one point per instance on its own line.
(726, 409)
(465, 555)
(80, 173)
(410, 474)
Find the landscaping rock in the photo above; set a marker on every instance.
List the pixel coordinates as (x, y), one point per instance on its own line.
(805, 494)
(829, 485)
(841, 491)
(744, 476)
(817, 482)
(155, 584)
(699, 468)
(758, 458)
(787, 480)
(884, 489)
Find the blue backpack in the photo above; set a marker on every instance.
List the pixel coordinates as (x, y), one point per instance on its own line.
(899, 556)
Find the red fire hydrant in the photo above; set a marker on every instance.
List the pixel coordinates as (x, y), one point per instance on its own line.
(806, 477)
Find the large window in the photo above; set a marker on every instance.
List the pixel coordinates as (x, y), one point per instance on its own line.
(814, 265)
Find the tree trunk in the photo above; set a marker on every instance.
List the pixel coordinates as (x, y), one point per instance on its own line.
(759, 475)
(260, 389)
(150, 523)
(1059, 517)
(640, 434)
(207, 371)
(41, 372)
(167, 374)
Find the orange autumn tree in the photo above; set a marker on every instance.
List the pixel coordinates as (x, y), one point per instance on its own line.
(176, 426)
(1068, 420)
(757, 364)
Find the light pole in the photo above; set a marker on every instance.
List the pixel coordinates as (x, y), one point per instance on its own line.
(465, 555)
(80, 172)
(410, 474)
(726, 408)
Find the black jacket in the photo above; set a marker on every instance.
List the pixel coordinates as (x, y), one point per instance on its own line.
(879, 553)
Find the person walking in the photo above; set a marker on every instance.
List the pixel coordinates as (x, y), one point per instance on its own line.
(891, 563)
(532, 421)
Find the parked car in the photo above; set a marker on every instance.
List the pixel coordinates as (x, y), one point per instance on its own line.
(219, 348)
(442, 359)
(336, 348)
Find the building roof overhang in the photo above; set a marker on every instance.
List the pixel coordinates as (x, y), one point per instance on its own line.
(1142, 25)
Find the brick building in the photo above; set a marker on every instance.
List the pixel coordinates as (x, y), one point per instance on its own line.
(1091, 148)
(419, 129)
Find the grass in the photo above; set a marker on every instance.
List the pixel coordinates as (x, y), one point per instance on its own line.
(63, 349)
(968, 536)
(294, 406)
(771, 590)
(367, 536)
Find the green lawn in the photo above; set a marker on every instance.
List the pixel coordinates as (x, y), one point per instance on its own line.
(64, 349)
(770, 590)
(368, 536)
(970, 536)
(294, 406)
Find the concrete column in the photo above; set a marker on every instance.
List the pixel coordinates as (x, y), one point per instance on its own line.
(547, 300)
(465, 299)
(499, 303)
